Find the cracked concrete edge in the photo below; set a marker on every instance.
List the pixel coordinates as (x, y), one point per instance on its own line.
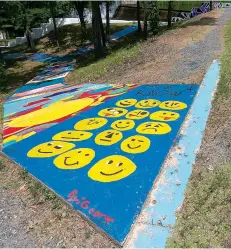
(153, 225)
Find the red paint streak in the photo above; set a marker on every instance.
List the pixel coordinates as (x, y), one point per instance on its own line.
(36, 102)
(10, 131)
(13, 131)
(84, 204)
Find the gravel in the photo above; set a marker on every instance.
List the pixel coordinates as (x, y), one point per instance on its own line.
(200, 55)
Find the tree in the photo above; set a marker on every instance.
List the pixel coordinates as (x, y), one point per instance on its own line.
(107, 18)
(19, 17)
(30, 41)
(153, 17)
(211, 5)
(101, 27)
(79, 6)
(52, 10)
(169, 14)
(138, 15)
(145, 5)
(97, 31)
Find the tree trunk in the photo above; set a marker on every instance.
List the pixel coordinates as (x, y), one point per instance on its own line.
(30, 40)
(138, 15)
(211, 5)
(101, 26)
(145, 21)
(54, 23)
(79, 6)
(96, 27)
(107, 19)
(169, 14)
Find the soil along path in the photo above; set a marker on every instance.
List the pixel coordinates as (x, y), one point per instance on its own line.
(73, 231)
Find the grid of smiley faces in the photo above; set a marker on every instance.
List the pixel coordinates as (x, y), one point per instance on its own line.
(114, 167)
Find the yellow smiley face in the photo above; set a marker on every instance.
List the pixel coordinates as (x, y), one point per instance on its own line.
(90, 124)
(147, 103)
(153, 128)
(72, 135)
(164, 116)
(126, 102)
(112, 168)
(137, 114)
(173, 105)
(108, 137)
(135, 144)
(123, 124)
(50, 149)
(114, 112)
(74, 159)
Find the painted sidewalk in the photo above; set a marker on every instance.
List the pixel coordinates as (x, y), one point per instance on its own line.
(104, 149)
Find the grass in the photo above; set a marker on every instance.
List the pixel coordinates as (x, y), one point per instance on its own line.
(204, 219)
(180, 5)
(70, 39)
(39, 192)
(89, 71)
(224, 89)
(19, 72)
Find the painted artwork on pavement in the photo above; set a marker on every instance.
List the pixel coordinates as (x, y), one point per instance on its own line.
(54, 71)
(35, 107)
(102, 157)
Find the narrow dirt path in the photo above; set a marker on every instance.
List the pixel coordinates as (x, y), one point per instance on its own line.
(181, 55)
(27, 218)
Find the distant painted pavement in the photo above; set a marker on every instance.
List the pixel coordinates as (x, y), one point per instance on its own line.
(100, 147)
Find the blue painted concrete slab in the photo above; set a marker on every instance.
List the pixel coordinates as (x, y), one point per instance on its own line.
(111, 194)
(125, 32)
(153, 226)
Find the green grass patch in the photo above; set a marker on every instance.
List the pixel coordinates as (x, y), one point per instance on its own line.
(205, 219)
(223, 89)
(39, 192)
(180, 5)
(98, 69)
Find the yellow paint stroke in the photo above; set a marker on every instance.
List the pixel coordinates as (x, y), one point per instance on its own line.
(51, 113)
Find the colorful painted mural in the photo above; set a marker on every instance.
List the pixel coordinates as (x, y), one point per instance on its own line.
(30, 111)
(54, 71)
(104, 147)
(204, 8)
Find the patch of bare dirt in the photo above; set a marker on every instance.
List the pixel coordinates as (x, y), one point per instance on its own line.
(159, 55)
